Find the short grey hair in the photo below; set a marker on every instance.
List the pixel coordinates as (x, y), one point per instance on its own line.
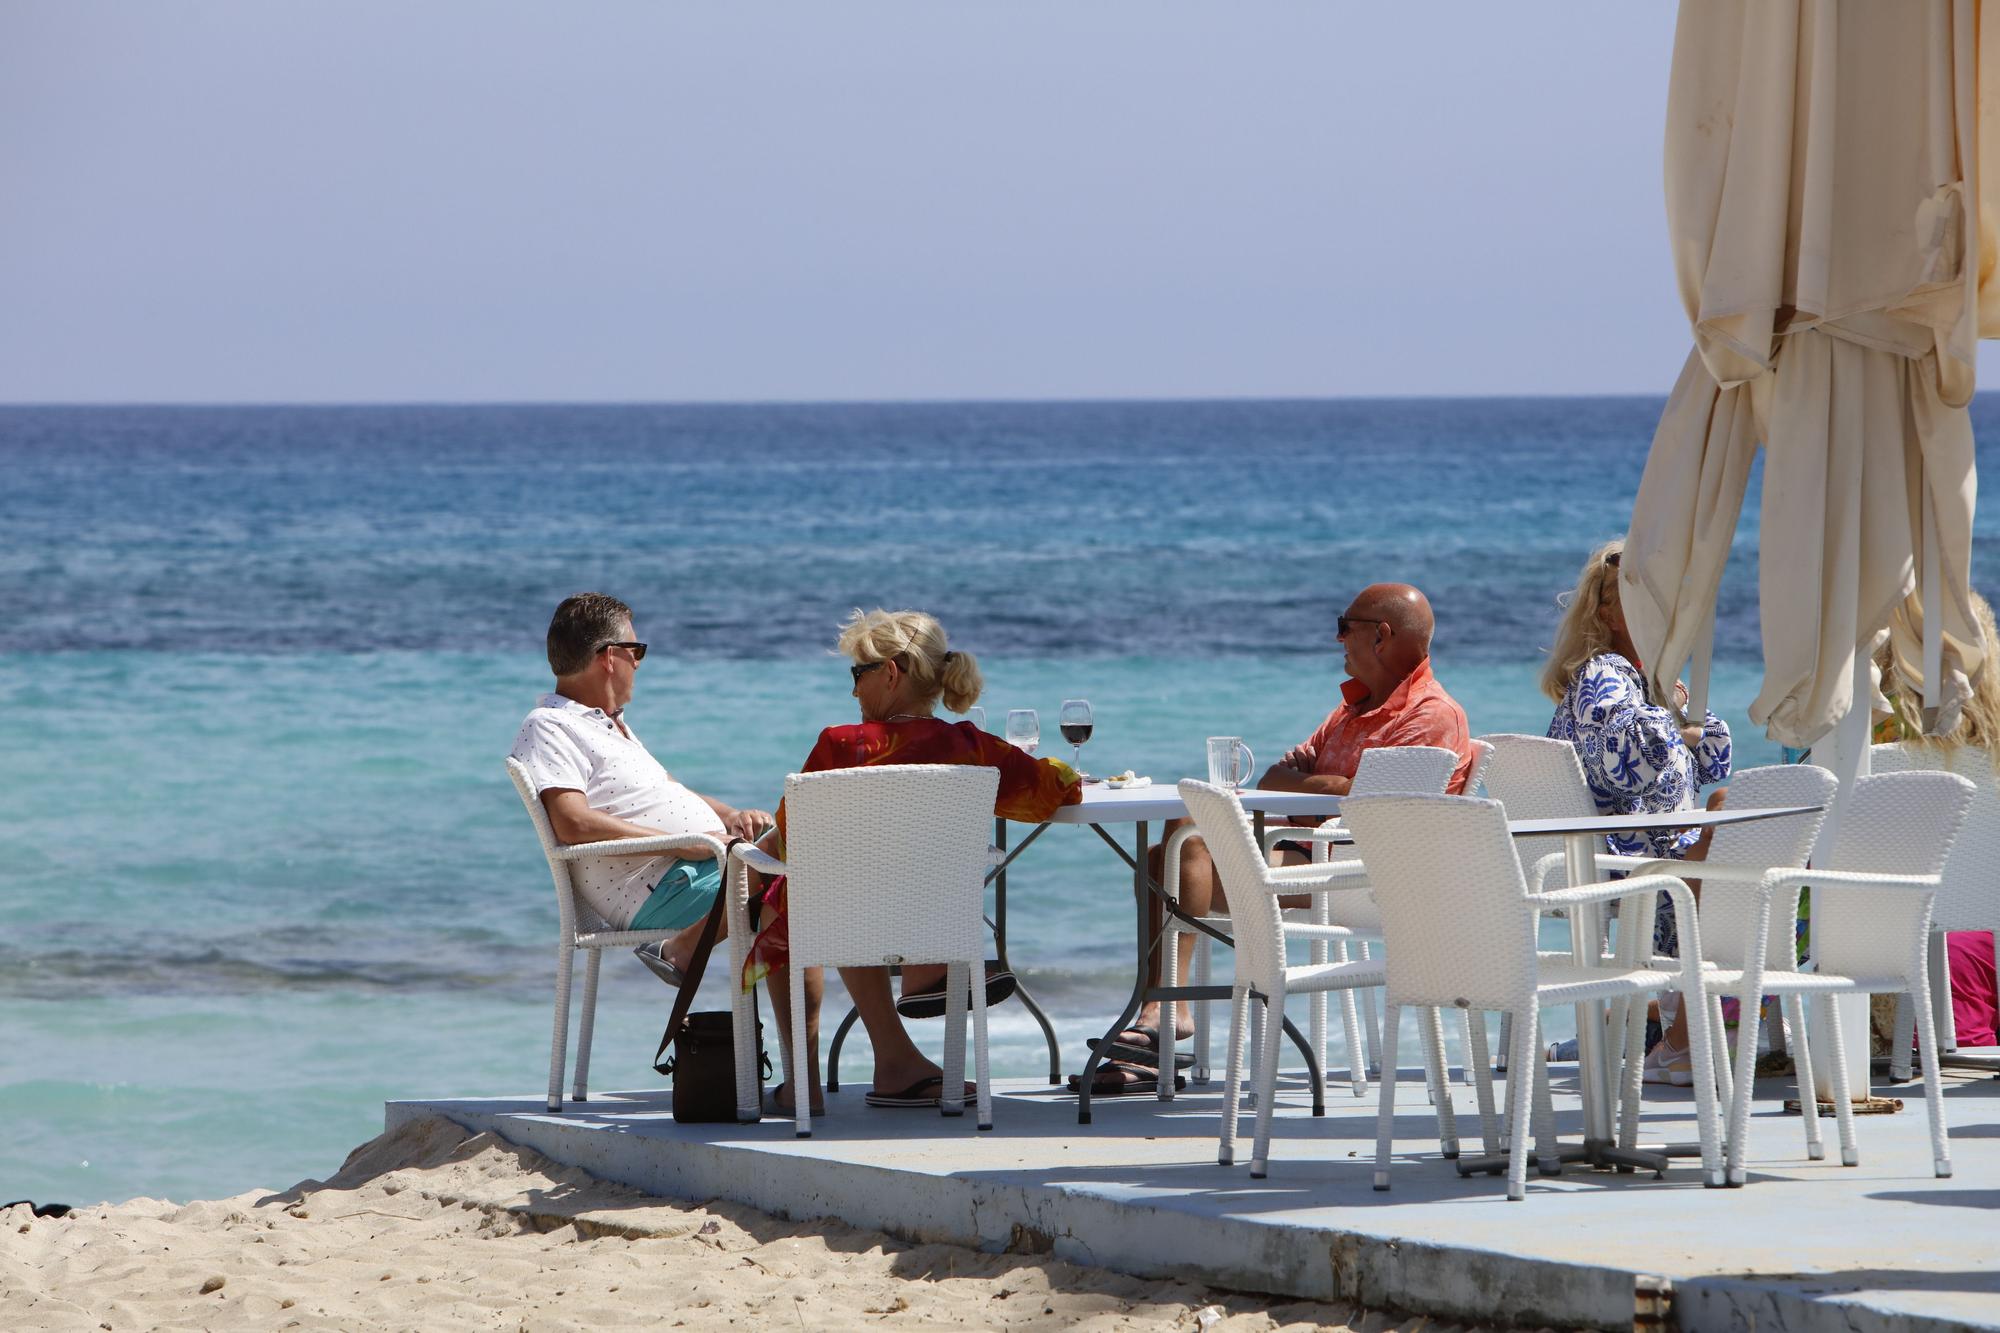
(582, 625)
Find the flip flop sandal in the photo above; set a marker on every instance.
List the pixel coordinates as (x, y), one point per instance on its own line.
(929, 1002)
(1145, 1057)
(1147, 1080)
(915, 1096)
(659, 966)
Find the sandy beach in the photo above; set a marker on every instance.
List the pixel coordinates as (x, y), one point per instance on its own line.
(431, 1228)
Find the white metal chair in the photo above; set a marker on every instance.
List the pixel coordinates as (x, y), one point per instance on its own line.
(1460, 928)
(1871, 912)
(581, 928)
(887, 866)
(1253, 887)
(1745, 851)
(1383, 768)
(1969, 895)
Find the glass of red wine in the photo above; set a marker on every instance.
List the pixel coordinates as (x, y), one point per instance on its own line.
(1075, 721)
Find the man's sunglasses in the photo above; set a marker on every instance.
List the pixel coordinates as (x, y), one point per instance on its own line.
(860, 669)
(1342, 624)
(638, 650)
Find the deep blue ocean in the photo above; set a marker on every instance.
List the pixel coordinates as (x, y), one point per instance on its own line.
(260, 867)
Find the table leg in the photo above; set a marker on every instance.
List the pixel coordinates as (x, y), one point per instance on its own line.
(1142, 898)
(1000, 949)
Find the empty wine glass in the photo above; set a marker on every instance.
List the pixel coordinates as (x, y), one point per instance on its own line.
(1075, 722)
(976, 716)
(1024, 729)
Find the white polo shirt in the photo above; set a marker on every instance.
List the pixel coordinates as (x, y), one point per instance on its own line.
(566, 745)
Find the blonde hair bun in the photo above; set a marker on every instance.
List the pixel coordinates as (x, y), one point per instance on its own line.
(916, 641)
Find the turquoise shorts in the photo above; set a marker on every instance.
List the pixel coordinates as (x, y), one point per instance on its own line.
(682, 898)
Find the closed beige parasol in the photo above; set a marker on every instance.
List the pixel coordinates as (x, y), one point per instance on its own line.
(1823, 203)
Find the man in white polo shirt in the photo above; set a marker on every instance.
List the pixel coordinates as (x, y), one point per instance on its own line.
(598, 783)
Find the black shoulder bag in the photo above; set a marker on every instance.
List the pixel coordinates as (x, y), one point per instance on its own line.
(703, 1062)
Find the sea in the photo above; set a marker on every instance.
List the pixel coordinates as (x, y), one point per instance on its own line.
(261, 868)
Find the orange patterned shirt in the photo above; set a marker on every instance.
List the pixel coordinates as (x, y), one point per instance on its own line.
(1418, 712)
(1030, 791)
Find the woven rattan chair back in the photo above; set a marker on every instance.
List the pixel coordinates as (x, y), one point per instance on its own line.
(1394, 768)
(1726, 917)
(1475, 773)
(1969, 897)
(1454, 915)
(1253, 909)
(1537, 777)
(1891, 824)
(888, 863)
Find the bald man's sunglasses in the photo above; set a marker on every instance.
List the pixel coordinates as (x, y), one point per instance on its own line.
(638, 650)
(1343, 623)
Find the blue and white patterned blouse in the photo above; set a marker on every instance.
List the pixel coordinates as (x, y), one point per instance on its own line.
(1633, 754)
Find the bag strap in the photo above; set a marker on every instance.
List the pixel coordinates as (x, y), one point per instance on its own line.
(691, 977)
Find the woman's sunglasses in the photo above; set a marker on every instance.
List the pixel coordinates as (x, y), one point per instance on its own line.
(860, 669)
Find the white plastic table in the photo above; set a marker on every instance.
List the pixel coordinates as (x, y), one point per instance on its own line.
(1142, 807)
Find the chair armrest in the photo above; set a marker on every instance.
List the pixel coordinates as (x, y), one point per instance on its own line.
(1854, 879)
(757, 859)
(1538, 874)
(1608, 890)
(641, 846)
(1330, 831)
(1317, 877)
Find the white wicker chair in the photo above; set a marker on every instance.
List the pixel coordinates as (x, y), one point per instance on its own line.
(1384, 768)
(1253, 886)
(1394, 768)
(1969, 896)
(1743, 850)
(1460, 924)
(581, 928)
(1871, 913)
(887, 866)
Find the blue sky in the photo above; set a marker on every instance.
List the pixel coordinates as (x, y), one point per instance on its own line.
(236, 200)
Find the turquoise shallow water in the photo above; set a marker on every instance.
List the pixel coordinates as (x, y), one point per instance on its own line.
(287, 889)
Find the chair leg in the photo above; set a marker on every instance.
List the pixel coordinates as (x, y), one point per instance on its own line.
(1701, 1047)
(559, 1042)
(1795, 1007)
(957, 981)
(1316, 1012)
(1478, 1061)
(1718, 1028)
(1940, 974)
(1630, 1089)
(586, 1022)
(1548, 1152)
(1253, 1053)
(1267, 1082)
(1902, 1039)
(1232, 1078)
(796, 1075)
(982, 1073)
(1465, 1017)
(1843, 1100)
(1385, 1114)
(1525, 1071)
(1167, 1043)
(1371, 1027)
(1350, 1020)
(1440, 1081)
(1199, 977)
(1506, 1038)
(1933, 1085)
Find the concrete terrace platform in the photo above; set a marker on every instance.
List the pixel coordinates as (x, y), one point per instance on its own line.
(1805, 1246)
